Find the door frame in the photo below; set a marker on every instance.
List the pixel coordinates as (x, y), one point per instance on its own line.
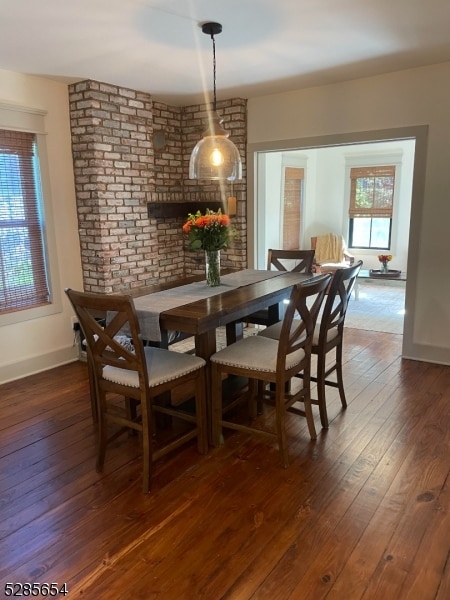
(418, 133)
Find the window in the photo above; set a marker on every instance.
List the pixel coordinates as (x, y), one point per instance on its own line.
(371, 207)
(23, 272)
(293, 183)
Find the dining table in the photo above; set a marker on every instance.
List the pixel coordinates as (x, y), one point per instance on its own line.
(191, 308)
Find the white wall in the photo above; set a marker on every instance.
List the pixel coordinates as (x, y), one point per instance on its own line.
(415, 100)
(328, 198)
(40, 343)
(272, 212)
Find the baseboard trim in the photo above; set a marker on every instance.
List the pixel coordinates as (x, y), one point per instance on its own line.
(37, 364)
(433, 357)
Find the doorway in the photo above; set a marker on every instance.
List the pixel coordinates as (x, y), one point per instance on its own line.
(321, 199)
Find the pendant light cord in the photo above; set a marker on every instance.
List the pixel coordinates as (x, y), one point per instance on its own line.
(214, 69)
(214, 157)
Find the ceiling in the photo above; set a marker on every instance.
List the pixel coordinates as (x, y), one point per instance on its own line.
(266, 46)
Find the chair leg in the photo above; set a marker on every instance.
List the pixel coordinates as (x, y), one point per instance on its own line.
(259, 395)
(254, 402)
(321, 398)
(281, 427)
(340, 379)
(200, 411)
(102, 432)
(310, 417)
(216, 405)
(131, 412)
(146, 448)
(92, 392)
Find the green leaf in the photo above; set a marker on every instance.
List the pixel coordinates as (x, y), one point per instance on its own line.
(196, 245)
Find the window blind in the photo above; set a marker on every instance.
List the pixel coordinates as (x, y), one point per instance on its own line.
(23, 273)
(372, 191)
(293, 180)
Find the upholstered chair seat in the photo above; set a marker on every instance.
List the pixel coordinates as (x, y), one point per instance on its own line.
(257, 354)
(163, 366)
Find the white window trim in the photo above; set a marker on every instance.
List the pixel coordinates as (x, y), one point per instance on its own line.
(21, 118)
(374, 159)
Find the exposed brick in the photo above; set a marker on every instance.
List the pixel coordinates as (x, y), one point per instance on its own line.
(117, 171)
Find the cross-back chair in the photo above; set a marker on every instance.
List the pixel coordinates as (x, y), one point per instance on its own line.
(263, 361)
(141, 376)
(297, 261)
(329, 336)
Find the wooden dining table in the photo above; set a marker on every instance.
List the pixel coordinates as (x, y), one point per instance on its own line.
(228, 308)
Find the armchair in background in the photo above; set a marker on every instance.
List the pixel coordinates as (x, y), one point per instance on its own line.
(330, 253)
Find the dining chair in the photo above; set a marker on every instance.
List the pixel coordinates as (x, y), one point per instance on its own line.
(266, 361)
(141, 377)
(297, 261)
(329, 336)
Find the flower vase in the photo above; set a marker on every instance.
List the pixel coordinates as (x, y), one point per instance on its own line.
(212, 263)
(384, 267)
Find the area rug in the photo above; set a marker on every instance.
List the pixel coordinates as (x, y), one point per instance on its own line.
(380, 307)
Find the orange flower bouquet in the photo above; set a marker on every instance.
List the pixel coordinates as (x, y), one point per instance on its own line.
(210, 232)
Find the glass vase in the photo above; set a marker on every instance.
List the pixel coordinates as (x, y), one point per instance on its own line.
(212, 264)
(384, 267)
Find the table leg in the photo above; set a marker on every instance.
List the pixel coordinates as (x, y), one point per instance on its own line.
(205, 346)
(274, 313)
(234, 332)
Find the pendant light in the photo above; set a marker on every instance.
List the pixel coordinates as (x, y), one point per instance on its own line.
(215, 156)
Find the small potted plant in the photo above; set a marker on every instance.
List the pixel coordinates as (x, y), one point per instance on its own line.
(384, 260)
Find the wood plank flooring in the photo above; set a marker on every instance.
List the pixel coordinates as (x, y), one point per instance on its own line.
(362, 513)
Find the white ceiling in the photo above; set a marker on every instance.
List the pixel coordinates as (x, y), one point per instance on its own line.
(267, 46)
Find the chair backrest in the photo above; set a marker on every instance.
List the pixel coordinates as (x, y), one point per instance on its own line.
(335, 307)
(105, 342)
(300, 319)
(303, 260)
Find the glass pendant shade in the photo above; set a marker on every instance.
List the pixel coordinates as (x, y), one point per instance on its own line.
(215, 156)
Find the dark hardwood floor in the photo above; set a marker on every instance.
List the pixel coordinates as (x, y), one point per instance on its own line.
(362, 513)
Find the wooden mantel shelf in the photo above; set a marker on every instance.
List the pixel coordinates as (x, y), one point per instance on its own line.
(166, 210)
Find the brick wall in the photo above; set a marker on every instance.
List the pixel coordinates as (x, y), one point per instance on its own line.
(118, 171)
